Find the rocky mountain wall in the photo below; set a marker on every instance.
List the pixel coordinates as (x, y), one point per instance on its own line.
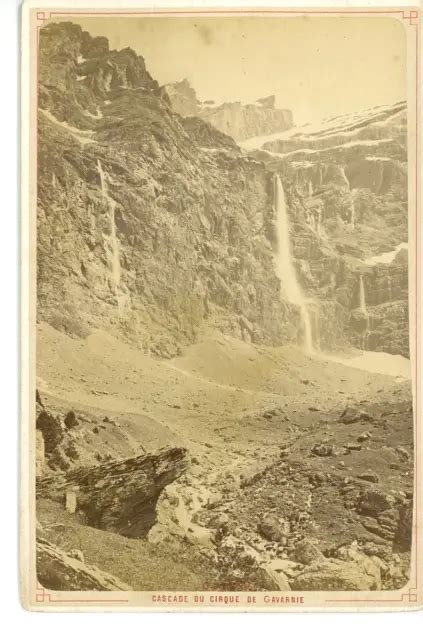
(346, 188)
(143, 230)
(152, 225)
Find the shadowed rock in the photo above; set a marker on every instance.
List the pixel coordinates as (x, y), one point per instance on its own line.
(119, 496)
(60, 571)
(334, 575)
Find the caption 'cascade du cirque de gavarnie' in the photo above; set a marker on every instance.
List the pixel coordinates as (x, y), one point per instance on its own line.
(223, 382)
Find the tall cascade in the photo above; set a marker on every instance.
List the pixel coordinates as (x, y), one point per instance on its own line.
(363, 309)
(111, 204)
(285, 269)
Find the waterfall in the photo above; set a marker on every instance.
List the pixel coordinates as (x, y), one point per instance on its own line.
(285, 269)
(352, 216)
(103, 181)
(310, 189)
(114, 243)
(343, 174)
(363, 307)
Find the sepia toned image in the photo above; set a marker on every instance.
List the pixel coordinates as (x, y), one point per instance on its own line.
(221, 233)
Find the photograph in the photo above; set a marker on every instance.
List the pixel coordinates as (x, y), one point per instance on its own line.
(220, 309)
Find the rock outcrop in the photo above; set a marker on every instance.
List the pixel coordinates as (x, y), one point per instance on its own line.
(60, 571)
(235, 119)
(118, 496)
(334, 575)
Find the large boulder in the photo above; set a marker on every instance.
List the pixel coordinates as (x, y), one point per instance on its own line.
(306, 552)
(373, 502)
(273, 529)
(334, 575)
(61, 571)
(119, 496)
(404, 530)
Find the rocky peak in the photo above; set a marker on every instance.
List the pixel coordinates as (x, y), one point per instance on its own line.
(183, 98)
(235, 119)
(77, 71)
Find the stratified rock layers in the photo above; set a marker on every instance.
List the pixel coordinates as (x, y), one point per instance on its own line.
(118, 496)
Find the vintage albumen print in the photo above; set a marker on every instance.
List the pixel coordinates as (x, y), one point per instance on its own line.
(220, 229)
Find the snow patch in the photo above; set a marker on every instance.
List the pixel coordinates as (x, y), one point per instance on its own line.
(378, 362)
(377, 158)
(96, 116)
(388, 256)
(79, 134)
(342, 125)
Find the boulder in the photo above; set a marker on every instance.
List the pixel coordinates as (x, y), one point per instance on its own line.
(277, 579)
(61, 571)
(119, 496)
(321, 449)
(334, 575)
(306, 552)
(403, 533)
(351, 415)
(371, 566)
(374, 501)
(273, 529)
(369, 476)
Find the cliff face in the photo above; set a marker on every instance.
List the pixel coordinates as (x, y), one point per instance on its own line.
(148, 225)
(152, 225)
(346, 184)
(235, 119)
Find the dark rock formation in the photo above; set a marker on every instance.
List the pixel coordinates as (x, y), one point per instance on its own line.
(52, 430)
(60, 571)
(118, 496)
(403, 534)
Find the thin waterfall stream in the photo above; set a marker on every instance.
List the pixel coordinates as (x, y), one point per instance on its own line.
(285, 269)
(111, 204)
(363, 307)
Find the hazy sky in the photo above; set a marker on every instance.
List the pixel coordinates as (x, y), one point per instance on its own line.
(315, 66)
